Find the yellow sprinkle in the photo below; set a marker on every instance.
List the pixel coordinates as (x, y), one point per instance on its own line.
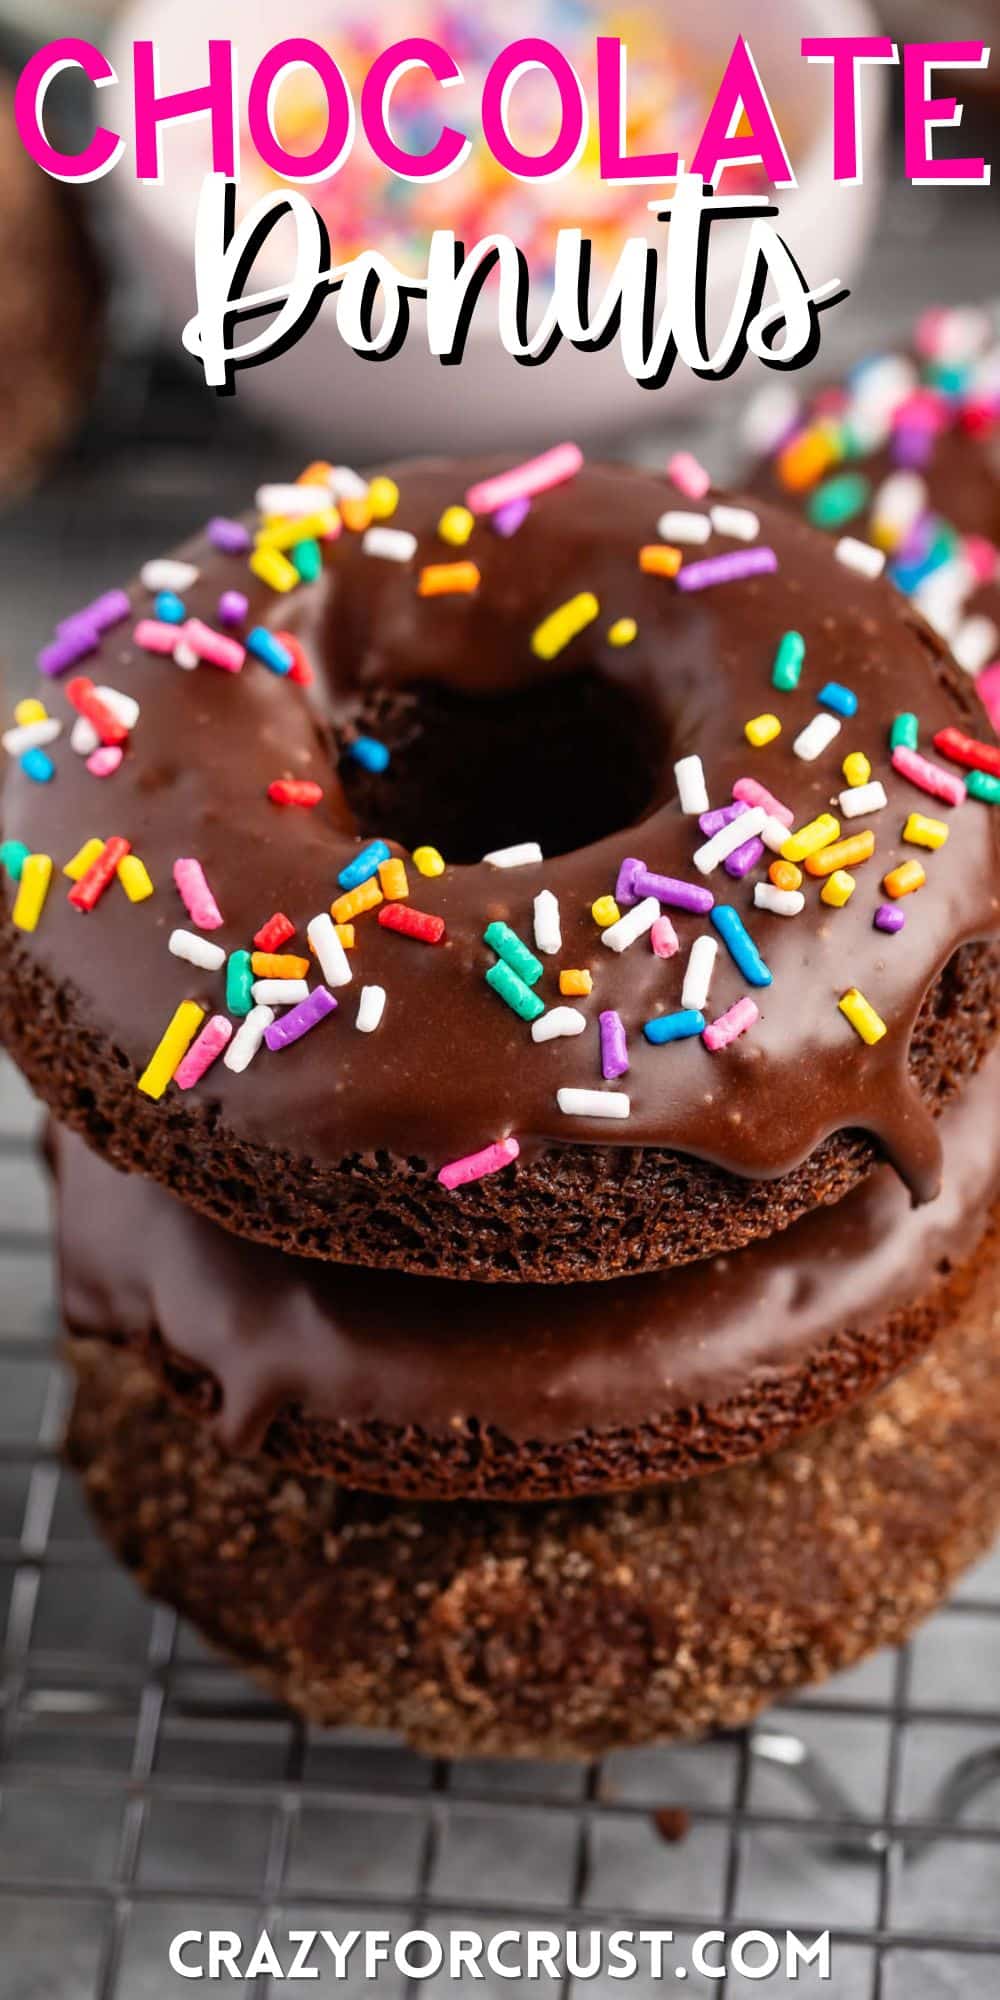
(30, 710)
(622, 632)
(761, 729)
(353, 903)
(925, 832)
(862, 1016)
(902, 881)
(605, 911)
(274, 569)
(428, 861)
(392, 876)
(345, 933)
(284, 533)
(456, 525)
(279, 965)
(32, 890)
(856, 768)
(172, 1046)
(659, 559)
(135, 878)
(383, 497)
(564, 624)
(356, 514)
(809, 839)
(838, 888)
(575, 980)
(83, 859)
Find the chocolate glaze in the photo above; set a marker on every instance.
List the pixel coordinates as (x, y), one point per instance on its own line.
(545, 1364)
(451, 1068)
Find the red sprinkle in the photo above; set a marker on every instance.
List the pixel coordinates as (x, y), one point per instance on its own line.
(276, 932)
(411, 923)
(969, 751)
(294, 792)
(101, 873)
(300, 670)
(86, 700)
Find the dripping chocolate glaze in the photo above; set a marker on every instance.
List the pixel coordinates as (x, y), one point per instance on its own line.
(367, 1347)
(451, 1068)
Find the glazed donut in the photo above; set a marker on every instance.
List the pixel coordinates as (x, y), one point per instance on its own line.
(560, 672)
(391, 1384)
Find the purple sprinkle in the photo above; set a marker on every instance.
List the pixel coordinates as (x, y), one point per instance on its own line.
(917, 545)
(625, 894)
(733, 567)
(912, 445)
(614, 1047)
(742, 859)
(66, 649)
(229, 536)
(508, 519)
(233, 607)
(677, 895)
(889, 917)
(300, 1019)
(109, 609)
(713, 822)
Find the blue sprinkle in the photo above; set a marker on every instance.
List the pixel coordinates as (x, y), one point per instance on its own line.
(740, 945)
(679, 1027)
(370, 753)
(365, 865)
(842, 700)
(265, 647)
(35, 764)
(169, 608)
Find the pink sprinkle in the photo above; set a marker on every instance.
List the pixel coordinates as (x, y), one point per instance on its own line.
(733, 567)
(104, 761)
(688, 475)
(928, 777)
(476, 1166)
(215, 647)
(204, 1051)
(537, 475)
(196, 895)
(988, 689)
(753, 793)
(155, 637)
(663, 938)
(730, 1025)
(981, 557)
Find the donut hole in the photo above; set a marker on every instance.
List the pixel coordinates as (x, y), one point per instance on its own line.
(566, 761)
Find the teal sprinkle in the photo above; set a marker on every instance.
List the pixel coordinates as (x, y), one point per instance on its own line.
(239, 981)
(839, 500)
(13, 855)
(905, 732)
(982, 785)
(308, 560)
(508, 946)
(513, 990)
(787, 670)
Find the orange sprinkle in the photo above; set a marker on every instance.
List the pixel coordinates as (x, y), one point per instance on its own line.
(367, 896)
(659, 559)
(575, 980)
(345, 933)
(319, 473)
(448, 579)
(278, 965)
(392, 876)
(903, 880)
(804, 460)
(842, 853)
(356, 514)
(785, 875)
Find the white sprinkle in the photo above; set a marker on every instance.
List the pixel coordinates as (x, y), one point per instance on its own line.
(771, 414)
(31, 735)
(878, 387)
(860, 556)
(634, 924)
(593, 1103)
(247, 1039)
(738, 523)
(780, 902)
(185, 655)
(941, 597)
(816, 737)
(196, 950)
(678, 526)
(334, 963)
(396, 544)
(548, 930)
(346, 484)
(515, 857)
(858, 799)
(371, 1007)
(166, 573)
(692, 791)
(279, 992)
(83, 737)
(291, 502)
(975, 644)
(773, 834)
(124, 707)
(729, 838)
(557, 1022)
(898, 505)
(698, 973)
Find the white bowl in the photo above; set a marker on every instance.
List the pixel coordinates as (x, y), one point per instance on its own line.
(412, 403)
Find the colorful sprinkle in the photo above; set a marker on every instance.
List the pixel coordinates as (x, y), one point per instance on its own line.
(507, 985)
(548, 927)
(838, 889)
(135, 878)
(85, 698)
(905, 732)
(730, 1025)
(679, 1027)
(269, 650)
(737, 524)
(743, 827)
(507, 520)
(168, 573)
(564, 624)
(740, 944)
(427, 861)
(275, 570)
(476, 1166)
(860, 557)
(862, 1016)
(929, 777)
(415, 924)
(904, 880)
(196, 950)
(606, 911)
(622, 632)
(33, 880)
(456, 525)
(593, 1103)
(509, 947)
(575, 982)
(968, 751)
(39, 767)
(392, 879)
(863, 798)
(634, 924)
(371, 1007)
(816, 737)
(980, 785)
(230, 537)
(838, 854)
(369, 753)
(383, 497)
(750, 792)
(354, 903)
(86, 893)
(810, 839)
(239, 982)
(232, 609)
(698, 974)
(299, 1020)
(734, 567)
(365, 864)
(761, 729)
(392, 544)
(458, 579)
(842, 700)
(276, 932)
(171, 1048)
(523, 855)
(924, 832)
(838, 500)
(195, 894)
(780, 902)
(558, 1022)
(536, 475)
(692, 791)
(334, 964)
(659, 559)
(688, 475)
(687, 529)
(663, 938)
(248, 1039)
(216, 649)
(889, 917)
(203, 1052)
(13, 855)
(856, 768)
(786, 672)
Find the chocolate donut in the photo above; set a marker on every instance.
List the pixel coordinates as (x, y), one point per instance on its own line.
(397, 1385)
(543, 680)
(476, 1628)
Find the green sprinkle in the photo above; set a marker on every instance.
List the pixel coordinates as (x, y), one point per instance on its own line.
(905, 732)
(13, 855)
(512, 989)
(787, 670)
(508, 946)
(839, 500)
(308, 560)
(239, 980)
(981, 785)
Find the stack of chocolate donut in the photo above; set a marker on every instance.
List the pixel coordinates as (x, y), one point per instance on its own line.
(511, 955)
